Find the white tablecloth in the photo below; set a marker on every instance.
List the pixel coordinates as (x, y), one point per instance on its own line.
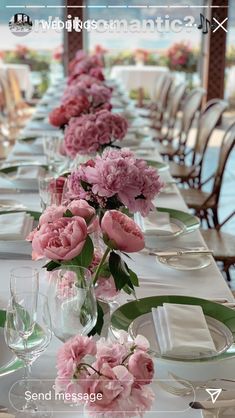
(155, 279)
(23, 75)
(136, 76)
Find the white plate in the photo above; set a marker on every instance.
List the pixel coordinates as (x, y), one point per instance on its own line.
(186, 262)
(222, 412)
(144, 325)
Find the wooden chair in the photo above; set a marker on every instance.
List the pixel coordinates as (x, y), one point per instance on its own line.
(10, 122)
(222, 244)
(174, 103)
(161, 99)
(191, 173)
(177, 143)
(206, 204)
(22, 108)
(157, 89)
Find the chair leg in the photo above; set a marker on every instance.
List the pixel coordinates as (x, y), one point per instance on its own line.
(227, 272)
(206, 216)
(215, 217)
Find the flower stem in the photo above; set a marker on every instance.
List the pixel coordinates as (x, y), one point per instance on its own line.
(91, 367)
(106, 253)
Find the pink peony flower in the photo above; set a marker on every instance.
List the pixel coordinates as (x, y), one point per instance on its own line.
(61, 240)
(89, 133)
(58, 117)
(114, 375)
(140, 365)
(115, 385)
(117, 178)
(75, 106)
(141, 342)
(71, 353)
(51, 213)
(106, 289)
(97, 73)
(109, 353)
(84, 210)
(122, 231)
(65, 284)
(80, 98)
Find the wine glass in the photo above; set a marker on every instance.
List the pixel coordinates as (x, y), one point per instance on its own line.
(53, 148)
(45, 186)
(28, 333)
(72, 302)
(24, 279)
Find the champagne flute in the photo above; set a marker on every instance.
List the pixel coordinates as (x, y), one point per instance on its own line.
(28, 335)
(72, 302)
(25, 279)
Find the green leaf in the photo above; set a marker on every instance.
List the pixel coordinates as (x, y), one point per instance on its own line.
(105, 271)
(127, 255)
(100, 321)
(52, 265)
(119, 271)
(85, 185)
(128, 290)
(67, 214)
(134, 277)
(84, 259)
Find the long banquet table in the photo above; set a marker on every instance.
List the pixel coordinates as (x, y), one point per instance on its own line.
(155, 279)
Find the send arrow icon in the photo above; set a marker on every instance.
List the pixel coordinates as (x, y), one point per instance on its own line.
(214, 394)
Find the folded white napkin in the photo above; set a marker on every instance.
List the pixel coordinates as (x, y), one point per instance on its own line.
(155, 223)
(182, 330)
(15, 226)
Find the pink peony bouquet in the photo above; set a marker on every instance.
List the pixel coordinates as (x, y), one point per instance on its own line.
(71, 107)
(93, 132)
(114, 383)
(91, 65)
(116, 179)
(64, 236)
(79, 99)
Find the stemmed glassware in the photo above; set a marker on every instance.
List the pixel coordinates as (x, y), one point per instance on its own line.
(28, 334)
(72, 302)
(52, 147)
(24, 279)
(48, 196)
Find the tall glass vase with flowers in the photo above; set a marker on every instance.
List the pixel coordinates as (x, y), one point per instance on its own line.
(63, 236)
